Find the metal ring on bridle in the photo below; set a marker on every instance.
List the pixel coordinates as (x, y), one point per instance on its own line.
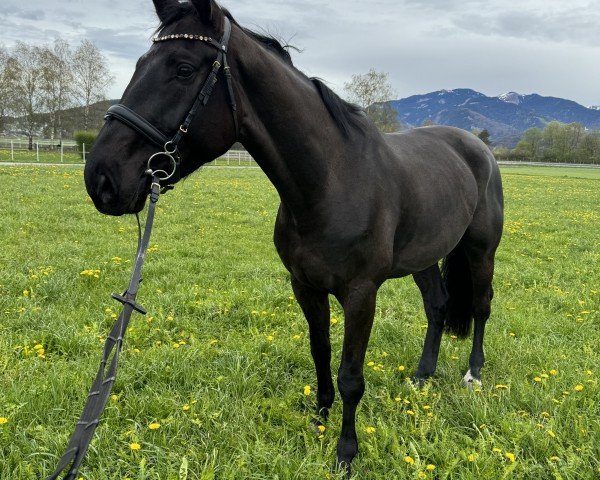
(173, 146)
(160, 173)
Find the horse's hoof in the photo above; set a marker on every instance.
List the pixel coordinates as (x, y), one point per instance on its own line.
(469, 381)
(344, 467)
(418, 382)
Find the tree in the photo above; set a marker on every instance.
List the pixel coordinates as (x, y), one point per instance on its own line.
(91, 77)
(57, 79)
(28, 94)
(562, 141)
(484, 136)
(7, 79)
(530, 147)
(372, 91)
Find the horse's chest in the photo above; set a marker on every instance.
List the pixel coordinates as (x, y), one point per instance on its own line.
(308, 258)
(317, 258)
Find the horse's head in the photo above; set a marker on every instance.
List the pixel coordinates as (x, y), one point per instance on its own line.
(166, 84)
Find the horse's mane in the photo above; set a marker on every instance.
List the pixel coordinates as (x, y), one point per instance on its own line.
(343, 113)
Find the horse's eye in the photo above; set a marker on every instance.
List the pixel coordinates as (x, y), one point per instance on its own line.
(185, 70)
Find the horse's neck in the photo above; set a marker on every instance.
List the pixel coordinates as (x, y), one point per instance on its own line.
(287, 128)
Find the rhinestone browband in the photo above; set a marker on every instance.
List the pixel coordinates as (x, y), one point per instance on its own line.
(184, 36)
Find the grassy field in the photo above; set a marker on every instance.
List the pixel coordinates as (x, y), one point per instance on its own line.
(212, 381)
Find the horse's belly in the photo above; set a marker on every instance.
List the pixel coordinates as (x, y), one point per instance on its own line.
(429, 241)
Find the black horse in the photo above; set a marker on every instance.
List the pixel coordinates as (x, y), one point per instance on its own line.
(357, 207)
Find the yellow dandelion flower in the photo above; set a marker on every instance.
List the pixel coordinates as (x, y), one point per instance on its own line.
(38, 347)
(154, 426)
(3, 420)
(370, 364)
(551, 434)
(408, 459)
(370, 430)
(471, 457)
(537, 379)
(554, 458)
(333, 321)
(321, 428)
(501, 387)
(510, 456)
(307, 390)
(401, 368)
(114, 398)
(270, 338)
(579, 388)
(430, 467)
(496, 450)
(135, 446)
(421, 475)
(186, 408)
(410, 412)
(296, 337)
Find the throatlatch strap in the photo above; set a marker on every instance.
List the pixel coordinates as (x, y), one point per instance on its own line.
(105, 378)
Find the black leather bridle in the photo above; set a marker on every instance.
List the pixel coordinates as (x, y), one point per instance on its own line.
(170, 145)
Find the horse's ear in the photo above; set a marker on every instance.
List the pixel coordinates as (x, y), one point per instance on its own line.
(205, 9)
(162, 7)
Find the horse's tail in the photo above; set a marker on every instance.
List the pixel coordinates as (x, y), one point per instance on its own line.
(458, 282)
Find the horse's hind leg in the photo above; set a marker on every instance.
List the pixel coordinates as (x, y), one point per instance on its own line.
(482, 271)
(435, 298)
(315, 305)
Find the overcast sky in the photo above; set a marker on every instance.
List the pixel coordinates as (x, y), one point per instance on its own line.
(550, 47)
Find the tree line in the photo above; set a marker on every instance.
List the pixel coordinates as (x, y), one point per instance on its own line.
(38, 83)
(557, 142)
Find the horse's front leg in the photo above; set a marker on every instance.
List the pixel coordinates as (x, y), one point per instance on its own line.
(359, 309)
(315, 305)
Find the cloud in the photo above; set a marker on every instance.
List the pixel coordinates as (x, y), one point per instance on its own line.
(548, 46)
(576, 27)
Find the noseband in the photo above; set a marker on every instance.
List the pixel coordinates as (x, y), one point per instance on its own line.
(170, 145)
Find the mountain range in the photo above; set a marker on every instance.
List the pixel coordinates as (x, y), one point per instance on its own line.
(505, 117)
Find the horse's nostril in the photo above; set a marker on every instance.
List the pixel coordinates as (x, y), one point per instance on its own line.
(105, 189)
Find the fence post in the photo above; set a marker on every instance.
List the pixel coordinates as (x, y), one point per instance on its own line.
(37, 151)
(12, 152)
(83, 145)
(62, 152)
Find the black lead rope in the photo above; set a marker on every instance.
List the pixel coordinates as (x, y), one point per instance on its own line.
(105, 378)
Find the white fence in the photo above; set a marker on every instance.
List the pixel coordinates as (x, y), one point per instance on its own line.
(49, 151)
(42, 151)
(234, 158)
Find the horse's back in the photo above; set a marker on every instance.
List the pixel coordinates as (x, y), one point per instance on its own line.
(442, 147)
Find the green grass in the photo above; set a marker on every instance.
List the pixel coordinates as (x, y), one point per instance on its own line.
(222, 359)
(572, 172)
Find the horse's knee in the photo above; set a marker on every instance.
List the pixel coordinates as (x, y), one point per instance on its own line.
(351, 386)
